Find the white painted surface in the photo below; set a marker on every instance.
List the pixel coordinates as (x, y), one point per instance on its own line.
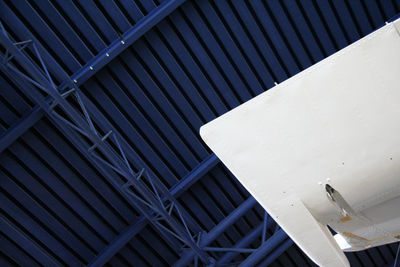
(337, 122)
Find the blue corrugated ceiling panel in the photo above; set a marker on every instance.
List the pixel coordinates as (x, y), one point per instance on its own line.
(202, 60)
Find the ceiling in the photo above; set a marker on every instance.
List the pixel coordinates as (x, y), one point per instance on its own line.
(152, 73)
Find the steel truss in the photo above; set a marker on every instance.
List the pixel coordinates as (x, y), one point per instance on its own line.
(69, 108)
(71, 112)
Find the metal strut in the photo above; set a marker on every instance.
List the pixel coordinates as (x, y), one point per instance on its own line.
(148, 194)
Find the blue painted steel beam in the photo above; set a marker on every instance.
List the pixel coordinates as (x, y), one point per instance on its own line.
(244, 242)
(277, 252)
(94, 65)
(273, 242)
(204, 167)
(118, 163)
(21, 126)
(128, 38)
(209, 237)
(132, 230)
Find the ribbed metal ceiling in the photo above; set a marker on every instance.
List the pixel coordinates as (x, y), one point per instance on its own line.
(202, 60)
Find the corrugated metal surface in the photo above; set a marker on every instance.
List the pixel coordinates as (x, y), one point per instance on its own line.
(204, 59)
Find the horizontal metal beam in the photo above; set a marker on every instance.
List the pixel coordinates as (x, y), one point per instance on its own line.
(134, 229)
(273, 242)
(20, 127)
(217, 230)
(94, 65)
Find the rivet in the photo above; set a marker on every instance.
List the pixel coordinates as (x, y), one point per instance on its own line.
(91, 68)
(107, 55)
(320, 183)
(328, 179)
(75, 81)
(122, 42)
(275, 83)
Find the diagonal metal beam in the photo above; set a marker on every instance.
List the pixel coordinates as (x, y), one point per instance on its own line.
(273, 242)
(94, 65)
(126, 39)
(119, 242)
(146, 196)
(277, 252)
(209, 237)
(21, 126)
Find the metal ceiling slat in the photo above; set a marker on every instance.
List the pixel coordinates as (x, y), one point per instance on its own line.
(208, 64)
(11, 249)
(217, 179)
(365, 260)
(77, 185)
(136, 251)
(322, 33)
(19, 29)
(169, 88)
(131, 254)
(79, 21)
(333, 25)
(126, 129)
(388, 9)
(140, 122)
(47, 35)
(261, 66)
(118, 262)
(158, 246)
(147, 110)
(115, 14)
(166, 106)
(220, 56)
(57, 198)
(148, 5)
(374, 13)
(64, 29)
(234, 232)
(7, 115)
(275, 10)
(181, 57)
(214, 212)
(38, 232)
(385, 251)
(57, 182)
(360, 17)
(75, 182)
(97, 182)
(305, 28)
(242, 63)
(53, 225)
(179, 77)
(146, 249)
(265, 32)
(376, 257)
(95, 15)
(345, 17)
(132, 9)
(193, 68)
(18, 102)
